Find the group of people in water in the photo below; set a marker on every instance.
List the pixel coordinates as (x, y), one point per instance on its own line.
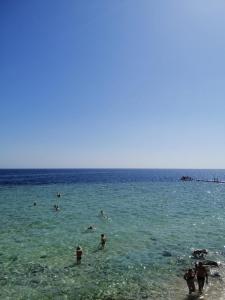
(79, 251)
(199, 272)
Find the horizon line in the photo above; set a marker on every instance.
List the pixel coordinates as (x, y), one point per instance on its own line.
(105, 168)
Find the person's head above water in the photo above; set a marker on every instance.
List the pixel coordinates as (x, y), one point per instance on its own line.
(78, 248)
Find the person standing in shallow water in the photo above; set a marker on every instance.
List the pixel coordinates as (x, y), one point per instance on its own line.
(79, 253)
(103, 241)
(189, 276)
(202, 276)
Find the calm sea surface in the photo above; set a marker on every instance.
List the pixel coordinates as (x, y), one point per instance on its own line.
(154, 223)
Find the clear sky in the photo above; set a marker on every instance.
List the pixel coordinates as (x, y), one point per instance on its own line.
(112, 83)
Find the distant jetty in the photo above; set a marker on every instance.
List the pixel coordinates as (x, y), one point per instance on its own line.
(214, 180)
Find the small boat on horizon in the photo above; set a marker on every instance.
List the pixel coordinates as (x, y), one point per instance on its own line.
(186, 178)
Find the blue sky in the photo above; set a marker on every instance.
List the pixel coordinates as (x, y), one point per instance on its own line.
(122, 83)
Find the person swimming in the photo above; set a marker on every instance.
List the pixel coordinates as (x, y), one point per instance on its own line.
(58, 195)
(56, 207)
(91, 228)
(103, 215)
(35, 203)
(78, 254)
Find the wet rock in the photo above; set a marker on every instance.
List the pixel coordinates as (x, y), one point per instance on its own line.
(199, 253)
(210, 263)
(215, 274)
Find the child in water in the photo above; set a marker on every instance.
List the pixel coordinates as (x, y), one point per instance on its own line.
(103, 241)
(79, 253)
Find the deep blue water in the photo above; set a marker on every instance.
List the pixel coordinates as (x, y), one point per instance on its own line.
(68, 176)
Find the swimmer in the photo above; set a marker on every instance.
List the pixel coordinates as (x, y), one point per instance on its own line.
(103, 241)
(91, 228)
(35, 203)
(56, 207)
(78, 254)
(103, 215)
(58, 195)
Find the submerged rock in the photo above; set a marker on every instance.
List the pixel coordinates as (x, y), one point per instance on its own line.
(34, 281)
(13, 258)
(37, 268)
(166, 253)
(182, 259)
(3, 281)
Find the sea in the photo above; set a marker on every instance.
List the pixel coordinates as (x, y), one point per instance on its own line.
(152, 222)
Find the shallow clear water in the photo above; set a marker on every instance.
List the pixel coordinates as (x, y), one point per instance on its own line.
(150, 212)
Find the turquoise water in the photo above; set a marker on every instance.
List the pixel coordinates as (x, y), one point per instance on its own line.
(148, 219)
